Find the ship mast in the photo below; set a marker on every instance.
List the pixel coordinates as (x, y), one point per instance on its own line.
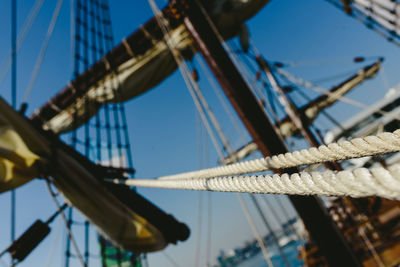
(315, 217)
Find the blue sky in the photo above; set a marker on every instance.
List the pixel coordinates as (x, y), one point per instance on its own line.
(164, 128)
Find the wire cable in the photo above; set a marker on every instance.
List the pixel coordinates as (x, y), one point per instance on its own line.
(312, 86)
(170, 259)
(255, 231)
(43, 50)
(21, 37)
(53, 246)
(71, 237)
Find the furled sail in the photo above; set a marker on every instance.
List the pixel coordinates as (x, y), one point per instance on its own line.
(124, 217)
(138, 64)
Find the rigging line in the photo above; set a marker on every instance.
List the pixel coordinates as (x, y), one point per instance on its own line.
(249, 78)
(359, 182)
(306, 97)
(212, 117)
(21, 37)
(310, 85)
(261, 243)
(269, 98)
(117, 108)
(96, 53)
(209, 228)
(72, 33)
(270, 230)
(71, 237)
(13, 98)
(170, 259)
(86, 8)
(181, 66)
(102, 48)
(199, 235)
(255, 231)
(199, 217)
(176, 57)
(384, 79)
(286, 216)
(200, 110)
(272, 106)
(282, 208)
(43, 50)
(222, 101)
(319, 62)
(382, 143)
(336, 76)
(184, 71)
(278, 220)
(371, 248)
(53, 246)
(74, 133)
(217, 92)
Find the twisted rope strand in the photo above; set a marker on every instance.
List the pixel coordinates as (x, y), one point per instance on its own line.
(360, 182)
(382, 143)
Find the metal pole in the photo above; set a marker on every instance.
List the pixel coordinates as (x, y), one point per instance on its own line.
(314, 215)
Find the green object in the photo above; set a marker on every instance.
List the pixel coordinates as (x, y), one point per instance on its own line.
(112, 256)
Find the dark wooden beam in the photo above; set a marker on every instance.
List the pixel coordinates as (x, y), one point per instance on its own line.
(311, 210)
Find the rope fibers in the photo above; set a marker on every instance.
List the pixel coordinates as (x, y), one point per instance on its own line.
(382, 143)
(360, 182)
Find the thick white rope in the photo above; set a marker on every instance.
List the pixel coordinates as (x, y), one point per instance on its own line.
(360, 182)
(382, 143)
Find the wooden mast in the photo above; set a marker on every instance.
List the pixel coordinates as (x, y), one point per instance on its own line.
(311, 210)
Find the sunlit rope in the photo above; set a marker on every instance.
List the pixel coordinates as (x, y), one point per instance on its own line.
(360, 182)
(357, 183)
(382, 143)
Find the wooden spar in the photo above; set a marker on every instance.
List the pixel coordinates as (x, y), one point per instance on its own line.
(140, 62)
(298, 118)
(311, 210)
(311, 110)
